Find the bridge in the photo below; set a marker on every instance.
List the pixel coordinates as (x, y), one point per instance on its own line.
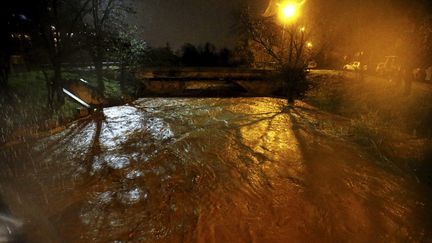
(185, 82)
(207, 81)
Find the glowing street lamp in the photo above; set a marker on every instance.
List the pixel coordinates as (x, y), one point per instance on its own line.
(309, 45)
(288, 11)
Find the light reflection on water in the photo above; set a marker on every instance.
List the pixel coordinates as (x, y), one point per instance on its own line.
(208, 170)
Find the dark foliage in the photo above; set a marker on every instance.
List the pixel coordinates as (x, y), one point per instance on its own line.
(282, 46)
(295, 83)
(205, 56)
(161, 57)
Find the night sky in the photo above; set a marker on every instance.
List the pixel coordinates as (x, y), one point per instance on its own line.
(188, 21)
(198, 21)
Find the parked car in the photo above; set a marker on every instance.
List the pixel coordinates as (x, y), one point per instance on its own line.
(390, 65)
(354, 66)
(312, 64)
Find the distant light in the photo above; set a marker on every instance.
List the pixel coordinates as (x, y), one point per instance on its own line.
(53, 27)
(309, 44)
(302, 29)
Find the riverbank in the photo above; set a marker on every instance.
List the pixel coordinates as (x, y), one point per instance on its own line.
(391, 123)
(23, 106)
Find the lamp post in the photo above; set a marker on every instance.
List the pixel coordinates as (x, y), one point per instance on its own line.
(288, 12)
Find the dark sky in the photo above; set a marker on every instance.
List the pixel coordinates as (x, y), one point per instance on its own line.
(200, 21)
(193, 21)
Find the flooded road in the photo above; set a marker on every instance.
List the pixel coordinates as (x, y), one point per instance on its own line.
(208, 170)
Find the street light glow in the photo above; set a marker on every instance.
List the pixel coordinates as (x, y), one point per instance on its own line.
(309, 45)
(288, 11)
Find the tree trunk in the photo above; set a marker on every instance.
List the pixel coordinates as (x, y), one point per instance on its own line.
(98, 62)
(123, 77)
(55, 87)
(290, 100)
(290, 84)
(4, 72)
(4, 77)
(58, 84)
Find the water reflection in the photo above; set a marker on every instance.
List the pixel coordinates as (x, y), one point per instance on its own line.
(209, 170)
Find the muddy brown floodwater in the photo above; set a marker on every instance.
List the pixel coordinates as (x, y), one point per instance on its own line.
(208, 170)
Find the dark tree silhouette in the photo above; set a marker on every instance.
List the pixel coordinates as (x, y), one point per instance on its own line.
(4, 68)
(129, 52)
(205, 56)
(54, 23)
(161, 57)
(104, 20)
(190, 55)
(5, 43)
(284, 46)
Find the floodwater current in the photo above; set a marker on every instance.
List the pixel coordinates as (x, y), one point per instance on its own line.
(207, 170)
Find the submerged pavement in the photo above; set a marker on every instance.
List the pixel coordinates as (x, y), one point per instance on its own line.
(208, 170)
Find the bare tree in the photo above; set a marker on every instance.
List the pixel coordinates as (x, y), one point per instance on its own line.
(129, 51)
(284, 45)
(104, 19)
(56, 22)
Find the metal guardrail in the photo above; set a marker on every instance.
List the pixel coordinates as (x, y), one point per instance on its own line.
(75, 98)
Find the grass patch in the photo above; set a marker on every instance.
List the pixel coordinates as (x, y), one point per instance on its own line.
(373, 101)
(23, 106)
(327, 92)
(112, 86)
(393, 125)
